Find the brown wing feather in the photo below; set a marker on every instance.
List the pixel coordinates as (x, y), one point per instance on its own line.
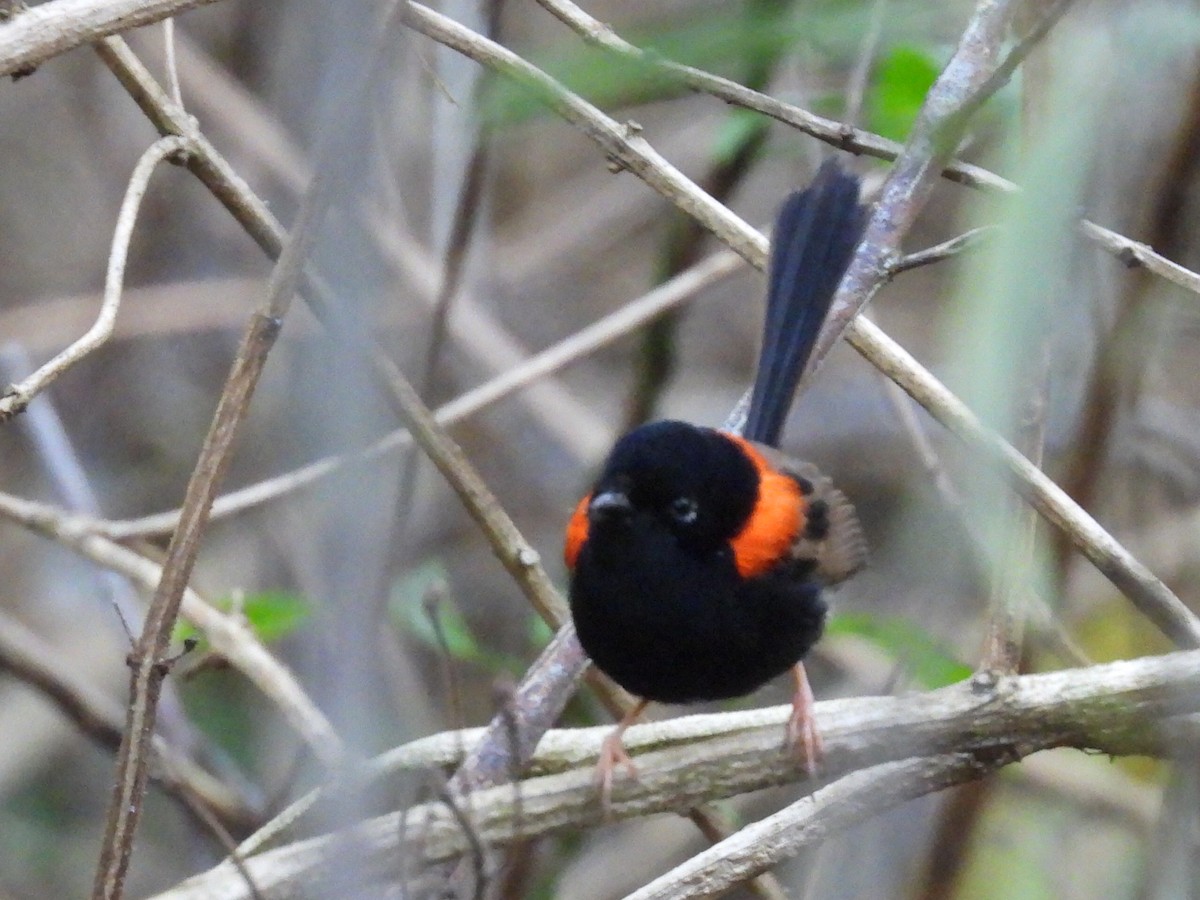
(832, 537)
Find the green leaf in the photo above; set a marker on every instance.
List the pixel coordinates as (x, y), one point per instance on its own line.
(409, 610)
(271, 614)
(932, 666)
(741, 127)
(898, 89)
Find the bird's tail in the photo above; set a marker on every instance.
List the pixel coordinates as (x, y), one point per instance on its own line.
(817, 231)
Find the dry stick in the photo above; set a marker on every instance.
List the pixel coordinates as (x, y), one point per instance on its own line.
(854, 140)
(149, 653)
(1117, 564)
(1108, 708)
(203, 160)
(38, 33)
(966, 242)
(829, 810)
(17, 396)
(169, 62)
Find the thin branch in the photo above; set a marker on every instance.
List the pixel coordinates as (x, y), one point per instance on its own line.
(1015, 564)
(1107, 707)
(169, 63)
(632, 151)
(958, 245)
(17, 396)
(204, 161)
(44, 31)
(1156, 601)
(149, 653)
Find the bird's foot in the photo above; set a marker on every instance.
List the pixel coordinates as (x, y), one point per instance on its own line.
(802, 735)
(612, 755)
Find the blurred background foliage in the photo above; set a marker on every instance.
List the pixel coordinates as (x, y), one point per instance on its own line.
(386, 602)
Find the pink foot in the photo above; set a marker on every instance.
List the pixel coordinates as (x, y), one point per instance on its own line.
(612, 755)
(802, 734)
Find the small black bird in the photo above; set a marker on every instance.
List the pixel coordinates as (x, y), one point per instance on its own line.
(698, 558)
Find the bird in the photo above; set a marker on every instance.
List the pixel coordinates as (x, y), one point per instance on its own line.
(699, 559)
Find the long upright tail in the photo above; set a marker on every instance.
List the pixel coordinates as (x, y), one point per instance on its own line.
(817, 231)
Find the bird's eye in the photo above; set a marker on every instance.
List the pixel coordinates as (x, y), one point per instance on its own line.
(683, 510)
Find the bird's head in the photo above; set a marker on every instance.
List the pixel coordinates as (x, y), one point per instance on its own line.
(693, 482)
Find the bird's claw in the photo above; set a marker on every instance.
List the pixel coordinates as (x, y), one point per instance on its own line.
(804, 740)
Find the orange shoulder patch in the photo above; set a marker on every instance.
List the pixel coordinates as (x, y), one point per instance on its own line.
(577, 532)
(776, 521)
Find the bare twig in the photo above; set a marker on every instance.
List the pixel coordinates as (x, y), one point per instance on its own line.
(204, 161)
(1117, 564)
(17, 396)
(46, 30)
(966, 242)
(972, 75)
(169, 63)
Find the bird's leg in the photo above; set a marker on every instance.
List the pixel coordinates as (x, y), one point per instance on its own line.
(612, 754)
(802, 734)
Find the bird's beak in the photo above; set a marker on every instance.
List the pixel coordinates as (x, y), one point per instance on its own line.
(609, 505)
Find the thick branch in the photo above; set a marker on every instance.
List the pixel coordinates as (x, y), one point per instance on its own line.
(1120, 708)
